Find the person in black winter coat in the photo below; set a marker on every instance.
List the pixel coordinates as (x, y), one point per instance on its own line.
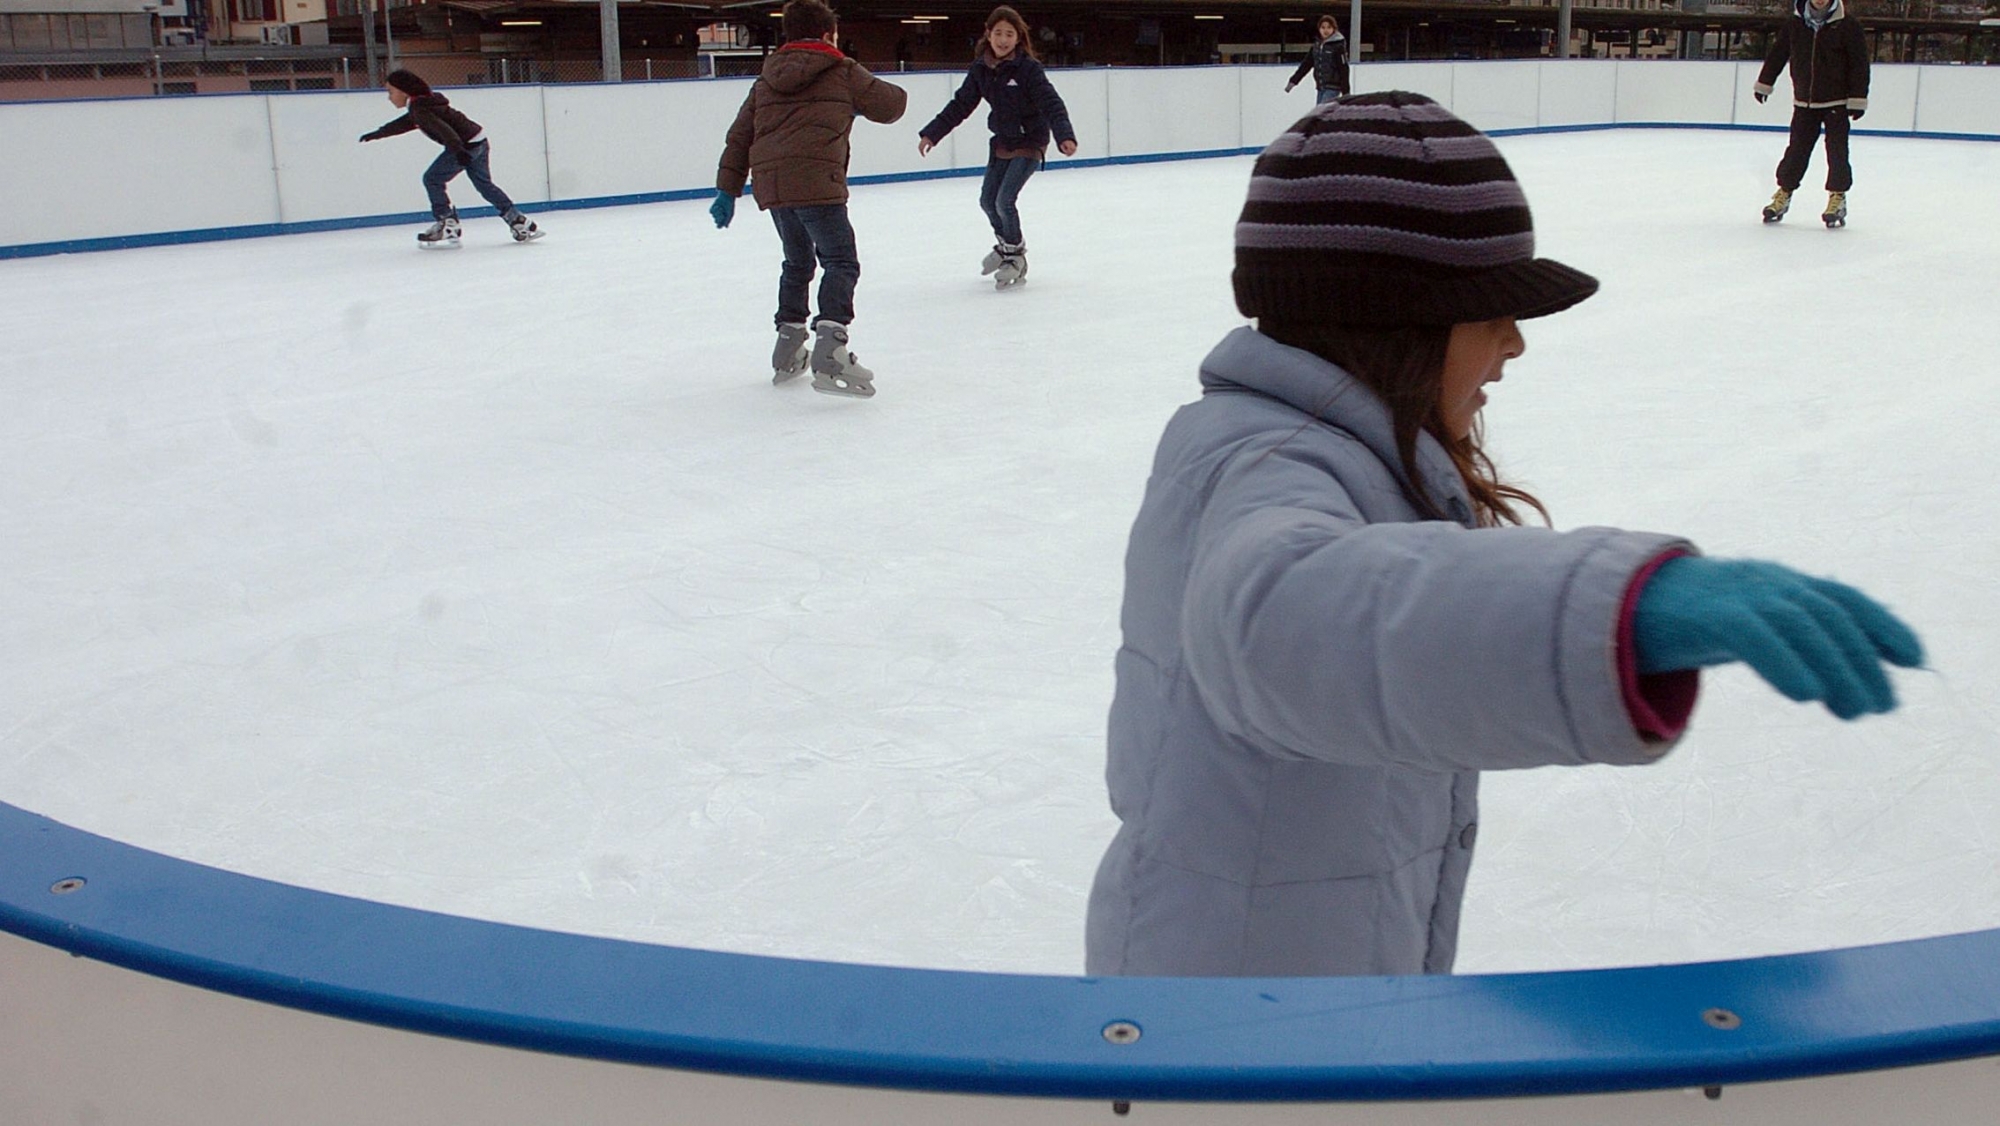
(1026, 109)
(1828, 55)
(465, 150)
(1326, 62)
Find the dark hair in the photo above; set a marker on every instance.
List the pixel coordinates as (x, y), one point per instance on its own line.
(1006, 15)
(408, 83)
(1328, 17)
(1404, 366)
(808, 19)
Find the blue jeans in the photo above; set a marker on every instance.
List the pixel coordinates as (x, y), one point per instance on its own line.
(479, 169)
(1004, 177)
(1326, 94)
(821, 233)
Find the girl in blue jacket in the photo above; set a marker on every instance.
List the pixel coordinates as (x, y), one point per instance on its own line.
(1333, 617)
(1026, 108)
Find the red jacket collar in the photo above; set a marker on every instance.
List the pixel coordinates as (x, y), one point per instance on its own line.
(813, 45)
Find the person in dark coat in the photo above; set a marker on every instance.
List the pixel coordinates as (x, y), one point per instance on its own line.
(1326, 62)
(1026, 109)
(465, 150)
(1828, 55)
(790, 143)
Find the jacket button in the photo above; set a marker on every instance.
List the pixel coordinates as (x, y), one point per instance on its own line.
(1468, 834)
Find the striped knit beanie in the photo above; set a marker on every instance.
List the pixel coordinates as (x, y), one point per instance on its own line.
(1385, 210)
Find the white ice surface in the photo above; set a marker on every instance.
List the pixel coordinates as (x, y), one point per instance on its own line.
(501, 582)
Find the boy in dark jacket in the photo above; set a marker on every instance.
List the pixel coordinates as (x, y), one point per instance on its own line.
(1026, 108)
(791, 136)
(1326, 62)
(465, 150)
(1828, 55)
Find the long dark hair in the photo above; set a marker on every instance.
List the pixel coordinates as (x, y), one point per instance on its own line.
(1405, 368)
(1000, 15)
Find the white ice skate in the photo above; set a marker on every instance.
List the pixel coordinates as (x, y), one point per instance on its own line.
(443, 233)
(835, 369)
(524, 228)
(1013, 267)
(790, 354)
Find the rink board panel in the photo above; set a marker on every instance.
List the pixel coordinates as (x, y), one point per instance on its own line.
(88, 174)
(159, 988)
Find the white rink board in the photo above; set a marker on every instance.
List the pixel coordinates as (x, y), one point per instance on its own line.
(118, 1048)
(146, 168)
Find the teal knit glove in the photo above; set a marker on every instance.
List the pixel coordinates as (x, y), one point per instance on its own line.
(1811, 639)
(723, 209)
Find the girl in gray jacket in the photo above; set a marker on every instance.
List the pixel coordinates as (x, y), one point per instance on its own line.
(1333, 616)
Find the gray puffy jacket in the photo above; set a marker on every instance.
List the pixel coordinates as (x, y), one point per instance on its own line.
(1313, 674)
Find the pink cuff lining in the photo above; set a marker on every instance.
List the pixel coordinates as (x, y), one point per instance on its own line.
(1658, 703)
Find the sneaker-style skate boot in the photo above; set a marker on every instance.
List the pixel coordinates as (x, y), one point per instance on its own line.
(1013, 269)
(835, 369)
(789, 356)
(1835, 214)
(1781, 202)
(523, 227)
(444, 232)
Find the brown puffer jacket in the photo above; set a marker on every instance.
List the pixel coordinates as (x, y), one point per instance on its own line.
(790, 137)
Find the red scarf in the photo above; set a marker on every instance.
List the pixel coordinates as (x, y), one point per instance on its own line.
(813, 45)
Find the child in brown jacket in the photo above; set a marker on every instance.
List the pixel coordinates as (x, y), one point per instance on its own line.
(790, 139)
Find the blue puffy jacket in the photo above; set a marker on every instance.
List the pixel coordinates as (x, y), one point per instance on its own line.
(1312, 675)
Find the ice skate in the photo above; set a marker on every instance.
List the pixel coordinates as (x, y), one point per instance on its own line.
(1835, 214)
(1013, 268)
(1781, 202)
(992, 261)
(442, 233)
(789, 356)
(836, 371)
(524, 228)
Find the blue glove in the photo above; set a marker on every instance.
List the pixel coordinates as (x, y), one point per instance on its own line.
(1812, 639)
(724, 208)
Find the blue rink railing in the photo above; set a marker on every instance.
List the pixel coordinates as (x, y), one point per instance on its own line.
(1165, 1039)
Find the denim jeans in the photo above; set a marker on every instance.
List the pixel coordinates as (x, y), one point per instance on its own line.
(822, 234)
(1004, 177)
(1325, 95)
(1806, 125)
(479, 169)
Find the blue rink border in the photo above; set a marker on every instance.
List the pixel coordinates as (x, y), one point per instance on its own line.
(265, 230)
(1203, 1039)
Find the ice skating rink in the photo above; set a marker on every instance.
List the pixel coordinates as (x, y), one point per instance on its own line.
(500, 581)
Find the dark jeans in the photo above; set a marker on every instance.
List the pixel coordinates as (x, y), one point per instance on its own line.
(821, 233)
(1004, 177)
(1806, 126)
(479, 169)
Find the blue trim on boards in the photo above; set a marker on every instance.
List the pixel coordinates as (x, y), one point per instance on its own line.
(262, 230)
(1218, 1039)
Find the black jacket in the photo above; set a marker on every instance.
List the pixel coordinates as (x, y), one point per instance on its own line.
(1829, 66)
(1025, 104)
(1327, 62)
(441, 123)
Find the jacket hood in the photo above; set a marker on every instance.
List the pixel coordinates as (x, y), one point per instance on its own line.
(1249, 360)
(795, 66)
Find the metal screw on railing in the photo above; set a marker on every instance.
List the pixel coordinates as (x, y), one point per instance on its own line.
(1722, 1019)
(64, 887)
(1121, 1032)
